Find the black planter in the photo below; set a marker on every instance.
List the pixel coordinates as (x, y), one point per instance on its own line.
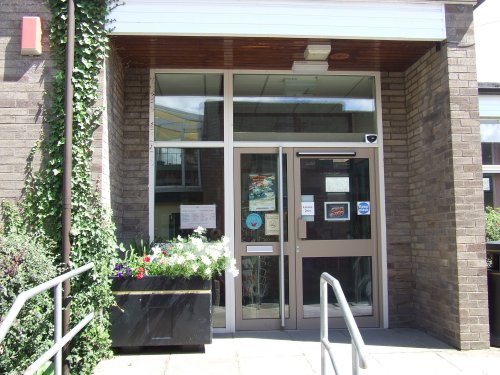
(161, 311)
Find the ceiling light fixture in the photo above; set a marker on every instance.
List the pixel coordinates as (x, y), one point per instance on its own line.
(317, 52)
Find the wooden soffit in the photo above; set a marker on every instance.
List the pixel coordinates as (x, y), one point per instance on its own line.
(176, 52)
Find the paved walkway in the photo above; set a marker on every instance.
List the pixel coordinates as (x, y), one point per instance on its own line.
(391, 352)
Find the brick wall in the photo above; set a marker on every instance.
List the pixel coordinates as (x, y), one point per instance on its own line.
(135, 154)
(115, 107)
(23, 81)
(469, 206)
(399, 257)
(445, 190)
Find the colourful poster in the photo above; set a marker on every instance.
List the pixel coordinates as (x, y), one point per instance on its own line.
(261, 191)
(337, 211)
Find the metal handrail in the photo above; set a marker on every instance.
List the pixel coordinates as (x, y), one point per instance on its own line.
(359, 359)
(59, 342)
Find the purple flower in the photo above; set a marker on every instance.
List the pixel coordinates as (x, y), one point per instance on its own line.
(128, 271)
(119, 275)
(118, 267)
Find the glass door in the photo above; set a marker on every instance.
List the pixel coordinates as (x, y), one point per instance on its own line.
(298, 213)
(265, 297)
(336, 210)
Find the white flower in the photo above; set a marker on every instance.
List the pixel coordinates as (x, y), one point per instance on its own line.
(190, 256)
(198, 242)
(208, 271)
(156, 252)
(180, 259)
(200, 230)
(195, 267)
(206, 260)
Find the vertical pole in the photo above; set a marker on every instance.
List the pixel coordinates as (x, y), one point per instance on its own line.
(281, 236)
(355, 361)
(323, 295)
(58, 327)
(67, 168)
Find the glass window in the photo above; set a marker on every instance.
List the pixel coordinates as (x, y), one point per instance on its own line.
(188, 107)
(260, 287)
(187, 177)
(336, 186)
(353, 273)
(259, 198)
(488, 181)
(304, 107)
(190, 177)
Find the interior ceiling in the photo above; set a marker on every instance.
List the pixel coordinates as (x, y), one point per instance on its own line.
(183, 52)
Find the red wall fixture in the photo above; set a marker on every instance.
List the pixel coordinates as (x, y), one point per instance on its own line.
(31, 36)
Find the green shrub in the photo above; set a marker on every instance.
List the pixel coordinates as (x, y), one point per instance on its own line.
(24, 263)
(492, 224)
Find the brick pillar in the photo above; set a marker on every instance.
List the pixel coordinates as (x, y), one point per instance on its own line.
(445, 186)
(467, 165)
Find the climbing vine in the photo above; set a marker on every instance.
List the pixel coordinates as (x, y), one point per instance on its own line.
(92, 231)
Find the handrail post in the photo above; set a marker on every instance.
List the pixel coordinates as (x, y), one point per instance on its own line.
(323, 322)
(58, 327)
(55, 351)
(357, 344)
(355, 361)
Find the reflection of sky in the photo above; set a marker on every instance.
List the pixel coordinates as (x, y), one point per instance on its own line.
(367, 105)
(191, 104)
(490, 133)
(195, 104)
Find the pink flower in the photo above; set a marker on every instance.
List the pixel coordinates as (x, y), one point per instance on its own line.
(146, 259)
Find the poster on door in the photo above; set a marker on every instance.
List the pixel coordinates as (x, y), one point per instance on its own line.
(262, 192)
(337, 211)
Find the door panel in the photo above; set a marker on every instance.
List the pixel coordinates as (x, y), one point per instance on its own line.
(336, 211)
(257, 245)
(329, 214)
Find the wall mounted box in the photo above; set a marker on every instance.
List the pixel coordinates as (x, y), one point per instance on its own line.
(31, 36)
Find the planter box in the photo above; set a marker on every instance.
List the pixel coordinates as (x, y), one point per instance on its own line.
(160, 311)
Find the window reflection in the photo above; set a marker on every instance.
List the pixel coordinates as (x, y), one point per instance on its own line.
(188, 107)
(299, 107)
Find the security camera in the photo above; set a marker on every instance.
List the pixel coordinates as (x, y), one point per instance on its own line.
(371, 138)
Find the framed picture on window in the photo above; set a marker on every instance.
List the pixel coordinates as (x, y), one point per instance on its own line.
(337, 211)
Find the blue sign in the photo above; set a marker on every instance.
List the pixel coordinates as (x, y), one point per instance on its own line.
(363, 208)
(253, 221)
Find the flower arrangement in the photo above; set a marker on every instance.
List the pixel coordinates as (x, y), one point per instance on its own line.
(193, 256)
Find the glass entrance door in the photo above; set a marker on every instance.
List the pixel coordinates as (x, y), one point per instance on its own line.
(298, 213)
(336, 210)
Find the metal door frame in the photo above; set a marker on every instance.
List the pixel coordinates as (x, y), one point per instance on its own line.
(295, 319)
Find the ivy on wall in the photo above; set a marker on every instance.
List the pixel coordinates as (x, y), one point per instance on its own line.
(92, 231)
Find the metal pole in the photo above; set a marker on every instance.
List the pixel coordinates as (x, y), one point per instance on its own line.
(281, 237)
(323, 295)
(67, 168)
(58, 327)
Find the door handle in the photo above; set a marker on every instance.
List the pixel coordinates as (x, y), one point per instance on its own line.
(302, 229)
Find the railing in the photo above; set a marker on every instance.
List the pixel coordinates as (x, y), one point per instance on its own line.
(357, 344)
(59, 341)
